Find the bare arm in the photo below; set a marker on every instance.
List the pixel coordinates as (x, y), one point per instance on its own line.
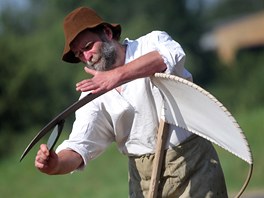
(51, 163)
(143, 66)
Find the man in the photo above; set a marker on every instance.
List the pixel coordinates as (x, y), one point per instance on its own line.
(129, 112)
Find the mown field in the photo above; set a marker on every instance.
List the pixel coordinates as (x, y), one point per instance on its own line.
(107, 175)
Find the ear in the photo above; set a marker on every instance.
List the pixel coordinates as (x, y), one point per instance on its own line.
(108, 32)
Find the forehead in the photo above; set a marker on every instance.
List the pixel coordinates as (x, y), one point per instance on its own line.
(83, 37)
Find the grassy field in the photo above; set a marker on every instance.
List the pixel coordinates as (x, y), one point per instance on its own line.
(107, 175)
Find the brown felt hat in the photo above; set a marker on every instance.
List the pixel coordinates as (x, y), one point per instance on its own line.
(79, 20)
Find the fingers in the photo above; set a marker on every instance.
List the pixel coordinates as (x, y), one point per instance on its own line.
(85, 85)
(88, 84)
(42, 157)
(90, 71)
(101, 81)
(46, 161)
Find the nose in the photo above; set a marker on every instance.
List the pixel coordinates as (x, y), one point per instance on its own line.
(87, 56)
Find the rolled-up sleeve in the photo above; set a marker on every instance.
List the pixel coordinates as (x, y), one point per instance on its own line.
(171, 52)
(91, 134)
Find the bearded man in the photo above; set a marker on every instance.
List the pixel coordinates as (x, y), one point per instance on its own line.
(129, 112)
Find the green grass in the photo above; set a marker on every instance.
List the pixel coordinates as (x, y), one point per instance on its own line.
(234, 168)
(107, 175)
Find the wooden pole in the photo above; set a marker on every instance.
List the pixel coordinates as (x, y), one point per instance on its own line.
(159, 154)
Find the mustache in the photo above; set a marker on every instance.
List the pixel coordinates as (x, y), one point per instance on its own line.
(94, 60)
(105, 59)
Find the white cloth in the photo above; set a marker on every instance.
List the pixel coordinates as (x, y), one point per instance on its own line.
(129, 118)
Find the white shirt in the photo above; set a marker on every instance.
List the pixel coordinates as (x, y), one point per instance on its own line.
(129, 118)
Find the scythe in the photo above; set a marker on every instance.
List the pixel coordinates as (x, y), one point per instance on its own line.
(190, 107)
(186, 105)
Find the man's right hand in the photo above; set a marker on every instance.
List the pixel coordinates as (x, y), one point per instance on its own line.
(46, 161)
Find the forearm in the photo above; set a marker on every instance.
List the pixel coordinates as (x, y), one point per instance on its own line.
(144, 66)
(68, 161)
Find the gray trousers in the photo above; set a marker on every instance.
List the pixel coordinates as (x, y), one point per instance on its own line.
(191, 169)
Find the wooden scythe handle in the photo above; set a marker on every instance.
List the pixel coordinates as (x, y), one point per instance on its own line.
(159, 154)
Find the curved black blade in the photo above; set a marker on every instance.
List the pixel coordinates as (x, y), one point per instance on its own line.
(59, 118)
(54, 136)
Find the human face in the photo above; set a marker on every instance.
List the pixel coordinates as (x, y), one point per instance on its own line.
(95, 50)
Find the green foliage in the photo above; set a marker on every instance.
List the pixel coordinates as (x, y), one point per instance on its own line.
(239, 87)
(35, 85)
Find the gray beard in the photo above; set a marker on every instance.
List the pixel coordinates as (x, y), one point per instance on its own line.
(108, 56)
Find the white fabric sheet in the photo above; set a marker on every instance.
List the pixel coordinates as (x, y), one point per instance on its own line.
(196, 110)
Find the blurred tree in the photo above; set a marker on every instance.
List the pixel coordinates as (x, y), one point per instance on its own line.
(239, 85)
(226, 10)
(35, 84)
